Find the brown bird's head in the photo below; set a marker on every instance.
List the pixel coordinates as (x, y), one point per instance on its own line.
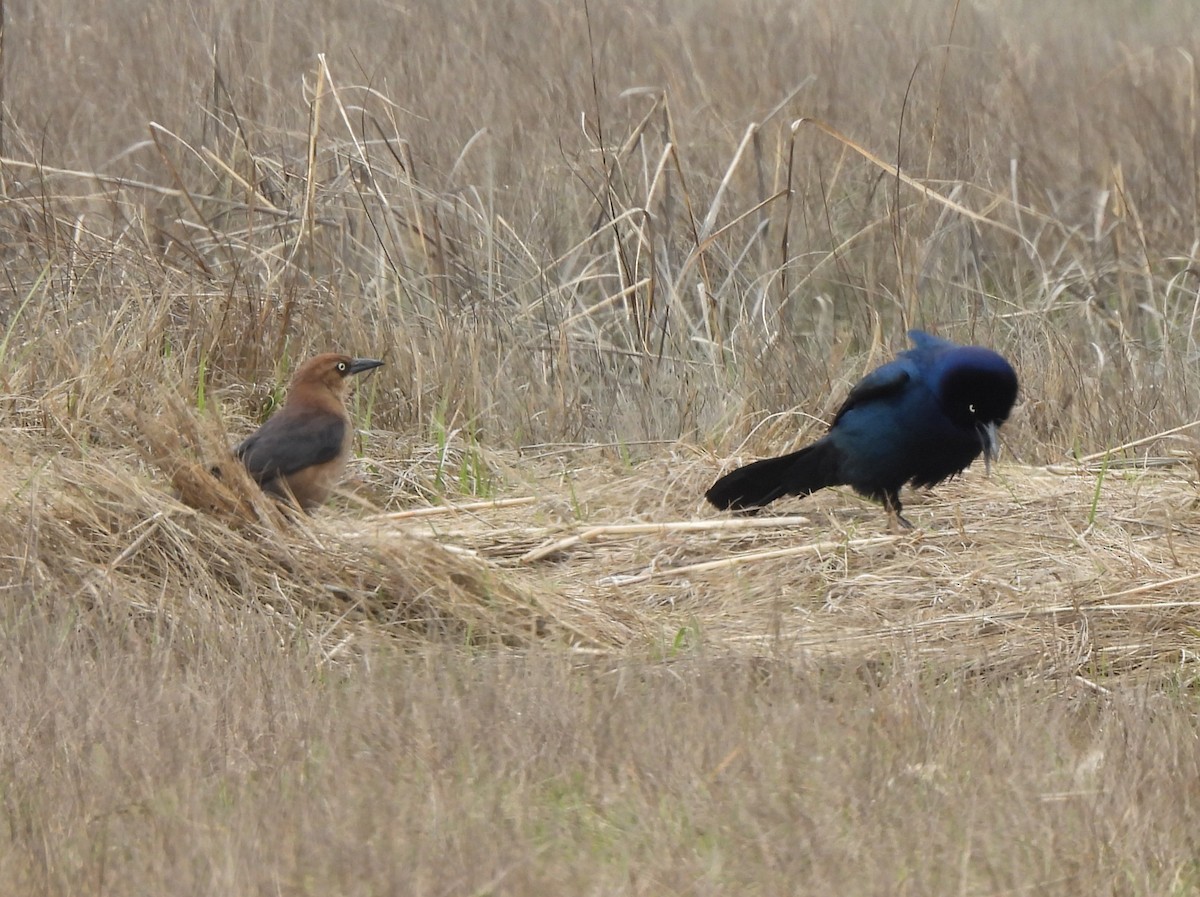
(329, 371)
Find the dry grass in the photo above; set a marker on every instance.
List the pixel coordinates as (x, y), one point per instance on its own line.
(606, 250)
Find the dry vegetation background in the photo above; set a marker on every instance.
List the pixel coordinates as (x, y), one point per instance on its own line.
(605, 252)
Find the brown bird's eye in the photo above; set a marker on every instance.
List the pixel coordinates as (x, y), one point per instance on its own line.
(342, 366)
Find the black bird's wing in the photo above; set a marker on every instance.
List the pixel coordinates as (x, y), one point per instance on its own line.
(288, 443)
(880, 383)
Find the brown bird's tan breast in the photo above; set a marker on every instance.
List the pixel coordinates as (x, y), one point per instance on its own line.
(303, 449)
(312, 485)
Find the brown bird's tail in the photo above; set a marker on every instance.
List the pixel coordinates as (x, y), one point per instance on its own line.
(800, 473)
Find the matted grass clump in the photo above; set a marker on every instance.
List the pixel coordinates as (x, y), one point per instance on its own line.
(119, 539)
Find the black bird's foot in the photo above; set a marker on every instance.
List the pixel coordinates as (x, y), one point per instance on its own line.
(891, 501)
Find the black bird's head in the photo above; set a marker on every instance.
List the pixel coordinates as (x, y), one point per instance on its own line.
(977, 389)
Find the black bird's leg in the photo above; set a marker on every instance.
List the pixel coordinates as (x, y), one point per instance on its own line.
(891, 501)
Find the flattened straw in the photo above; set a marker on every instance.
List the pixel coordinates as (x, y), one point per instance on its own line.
(811, 548)
(1148, 587)
(994, 617)
(414, 513)
(596, 533)
(1096, 456)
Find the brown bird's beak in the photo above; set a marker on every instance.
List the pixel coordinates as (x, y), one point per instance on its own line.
(358, 365)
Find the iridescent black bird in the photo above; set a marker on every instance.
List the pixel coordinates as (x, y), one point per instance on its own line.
(920, 419)
(303, 448)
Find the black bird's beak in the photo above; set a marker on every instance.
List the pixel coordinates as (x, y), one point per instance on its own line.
(991, 448)
(358, 365)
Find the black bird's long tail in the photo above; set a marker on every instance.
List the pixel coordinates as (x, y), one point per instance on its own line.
(813, 467)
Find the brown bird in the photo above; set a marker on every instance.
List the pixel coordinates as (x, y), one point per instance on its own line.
(301, 451)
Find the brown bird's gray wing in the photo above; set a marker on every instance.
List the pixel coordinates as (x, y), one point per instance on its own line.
(289, 443)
